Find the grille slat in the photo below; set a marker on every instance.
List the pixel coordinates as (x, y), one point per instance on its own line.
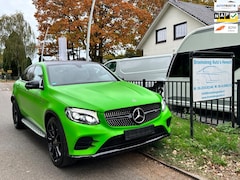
(123, 117)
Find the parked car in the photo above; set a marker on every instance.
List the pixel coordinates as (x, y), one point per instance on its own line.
(83, 110)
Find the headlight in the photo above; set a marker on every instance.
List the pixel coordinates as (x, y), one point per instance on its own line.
(163, 105)
(82, 116)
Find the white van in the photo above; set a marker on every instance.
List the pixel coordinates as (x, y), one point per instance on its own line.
(202, 39)
(150, 68)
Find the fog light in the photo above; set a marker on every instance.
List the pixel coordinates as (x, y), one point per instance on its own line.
(83, 143)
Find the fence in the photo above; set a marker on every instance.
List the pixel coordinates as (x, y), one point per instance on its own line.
(177, 96)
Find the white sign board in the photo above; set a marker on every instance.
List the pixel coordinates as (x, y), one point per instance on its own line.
(225, 6)
(212, 78)
(62, 44)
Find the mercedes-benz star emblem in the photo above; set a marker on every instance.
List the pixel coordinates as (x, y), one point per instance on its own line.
(138, 115)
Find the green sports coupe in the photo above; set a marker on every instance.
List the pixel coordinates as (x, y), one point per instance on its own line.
(83, 110)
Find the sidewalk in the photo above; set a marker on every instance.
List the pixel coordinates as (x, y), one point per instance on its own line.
(6, 85)
(7, 81)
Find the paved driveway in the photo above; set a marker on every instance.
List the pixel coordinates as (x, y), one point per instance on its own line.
(23, 155)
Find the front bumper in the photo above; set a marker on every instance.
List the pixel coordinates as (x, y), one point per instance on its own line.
(119, 144)
(99, 140)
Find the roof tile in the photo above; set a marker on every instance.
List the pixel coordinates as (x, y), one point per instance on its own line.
(201, 12)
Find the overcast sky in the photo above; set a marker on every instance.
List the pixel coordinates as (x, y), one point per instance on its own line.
(10, 7)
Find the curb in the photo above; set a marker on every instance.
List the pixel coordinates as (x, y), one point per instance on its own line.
(193, 176)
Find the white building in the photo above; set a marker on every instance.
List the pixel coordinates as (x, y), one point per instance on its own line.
(174, 22)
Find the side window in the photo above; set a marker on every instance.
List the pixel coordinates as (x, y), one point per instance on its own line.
(111, 66)
(180, 67)
(28, 74)
(38, 73)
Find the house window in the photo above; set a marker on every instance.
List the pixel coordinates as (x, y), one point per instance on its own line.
(161, 35)
(180, 30)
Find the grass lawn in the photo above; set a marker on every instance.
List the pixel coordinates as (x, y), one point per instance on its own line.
(213, 152)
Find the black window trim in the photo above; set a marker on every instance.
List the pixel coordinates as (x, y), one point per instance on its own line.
(174, 30)
(162, 41)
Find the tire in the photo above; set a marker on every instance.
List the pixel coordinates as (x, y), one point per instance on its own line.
(17, 116)
(57, 145)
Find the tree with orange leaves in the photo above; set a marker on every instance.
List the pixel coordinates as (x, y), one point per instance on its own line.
(116, 24)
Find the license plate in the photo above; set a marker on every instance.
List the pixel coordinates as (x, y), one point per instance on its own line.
(138, 133)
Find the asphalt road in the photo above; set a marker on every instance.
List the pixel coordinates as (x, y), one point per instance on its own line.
(23, 155)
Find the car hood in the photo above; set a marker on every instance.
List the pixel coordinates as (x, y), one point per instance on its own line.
(104, 96)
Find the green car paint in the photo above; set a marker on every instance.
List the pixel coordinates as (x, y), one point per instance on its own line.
(95, 113)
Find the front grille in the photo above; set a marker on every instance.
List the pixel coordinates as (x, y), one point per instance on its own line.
(123, 117)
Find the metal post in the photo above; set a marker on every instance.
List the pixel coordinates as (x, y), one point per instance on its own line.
(89, 30)
(238, 102)
(191, 93)
(44, 43)
(144, 82)
(233, 97)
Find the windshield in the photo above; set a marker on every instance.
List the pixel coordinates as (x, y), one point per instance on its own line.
(74, 73)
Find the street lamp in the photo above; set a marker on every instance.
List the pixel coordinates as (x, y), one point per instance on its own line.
(45, 37)
(89, 30)
(43, 44)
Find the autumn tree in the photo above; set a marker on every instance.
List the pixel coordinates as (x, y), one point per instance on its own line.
(16, 23)
(1, 63)
(14, 55)
(116, 24)
(152, 6)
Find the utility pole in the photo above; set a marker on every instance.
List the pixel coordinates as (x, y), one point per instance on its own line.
(89, 30)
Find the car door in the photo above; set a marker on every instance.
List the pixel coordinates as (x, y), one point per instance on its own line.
(21, 93)
(37, 98)
(33, 101)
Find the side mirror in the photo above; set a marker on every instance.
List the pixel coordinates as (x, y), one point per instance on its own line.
(33, 85)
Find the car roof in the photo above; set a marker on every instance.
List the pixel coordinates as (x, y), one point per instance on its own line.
(47, 63)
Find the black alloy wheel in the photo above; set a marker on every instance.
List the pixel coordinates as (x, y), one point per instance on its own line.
(17, 116)
(57, 145)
